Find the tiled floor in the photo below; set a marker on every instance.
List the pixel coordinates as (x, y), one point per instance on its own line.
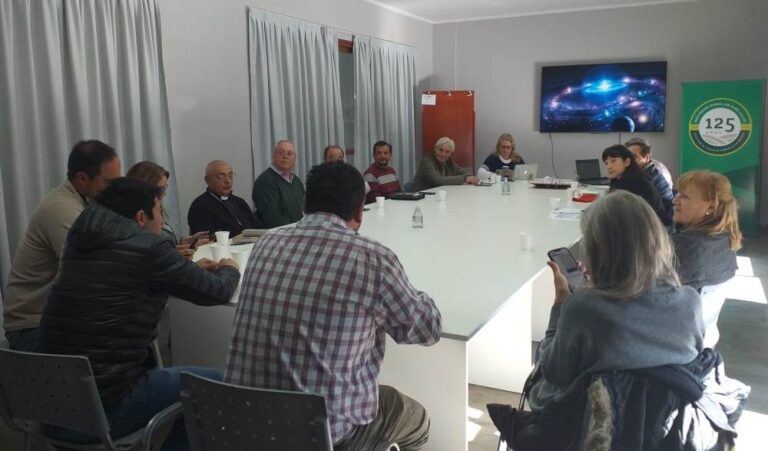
(743, 344)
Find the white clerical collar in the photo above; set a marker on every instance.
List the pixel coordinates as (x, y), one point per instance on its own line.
(217, 196)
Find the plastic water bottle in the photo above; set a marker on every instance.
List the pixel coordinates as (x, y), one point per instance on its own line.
(418, 219)
(505, 186)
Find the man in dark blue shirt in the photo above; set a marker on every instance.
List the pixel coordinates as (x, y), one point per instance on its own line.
(641, 149)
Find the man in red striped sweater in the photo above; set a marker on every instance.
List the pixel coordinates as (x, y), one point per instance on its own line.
(380, 175)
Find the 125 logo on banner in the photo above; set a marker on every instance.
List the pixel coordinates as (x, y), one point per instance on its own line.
(720, 126)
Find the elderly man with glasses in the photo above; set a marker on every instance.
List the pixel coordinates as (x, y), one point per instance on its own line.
(278, 193)
(217, 209)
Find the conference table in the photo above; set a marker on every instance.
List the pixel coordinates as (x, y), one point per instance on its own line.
(494, 296)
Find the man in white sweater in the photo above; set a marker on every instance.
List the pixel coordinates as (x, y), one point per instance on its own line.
(90, 166)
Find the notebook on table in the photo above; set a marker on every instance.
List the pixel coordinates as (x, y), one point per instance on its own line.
(254, 233)
(550, 183)
(588, 172)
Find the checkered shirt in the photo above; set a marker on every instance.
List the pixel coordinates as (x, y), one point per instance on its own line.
(317, 302)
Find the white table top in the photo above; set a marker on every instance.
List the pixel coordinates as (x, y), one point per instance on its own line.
(468, 255)
(206, 252)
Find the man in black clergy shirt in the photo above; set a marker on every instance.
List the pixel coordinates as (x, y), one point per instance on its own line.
(217, 209)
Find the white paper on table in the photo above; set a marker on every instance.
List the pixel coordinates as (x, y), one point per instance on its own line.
(566, 214)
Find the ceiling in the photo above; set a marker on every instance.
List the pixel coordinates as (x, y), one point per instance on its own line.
(446, 11)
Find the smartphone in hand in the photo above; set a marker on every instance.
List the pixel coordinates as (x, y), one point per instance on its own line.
(569, 267)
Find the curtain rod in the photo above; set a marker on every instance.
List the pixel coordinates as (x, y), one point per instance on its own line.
(329, 27)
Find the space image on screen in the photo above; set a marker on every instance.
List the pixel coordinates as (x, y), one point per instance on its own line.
(602, 98)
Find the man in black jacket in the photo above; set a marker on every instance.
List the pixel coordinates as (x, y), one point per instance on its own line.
(218, 209)
(114, 279)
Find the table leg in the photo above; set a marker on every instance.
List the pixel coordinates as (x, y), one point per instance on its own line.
(435, 376)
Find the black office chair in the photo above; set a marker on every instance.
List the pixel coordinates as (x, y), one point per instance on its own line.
(59, 390)
(222, 416)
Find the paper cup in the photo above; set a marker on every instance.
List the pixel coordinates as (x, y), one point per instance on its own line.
(526, 241)
(554, 202)
(240, 256)
(380, 201)
(222, 237)
(219, 251)
(574, 185)
(441, 195)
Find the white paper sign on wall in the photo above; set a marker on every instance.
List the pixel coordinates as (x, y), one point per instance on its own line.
(429, 99)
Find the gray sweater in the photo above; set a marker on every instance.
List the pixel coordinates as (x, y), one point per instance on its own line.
(589, 333)
(703, 259)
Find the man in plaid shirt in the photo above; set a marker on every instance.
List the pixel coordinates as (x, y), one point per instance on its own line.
(317, 303)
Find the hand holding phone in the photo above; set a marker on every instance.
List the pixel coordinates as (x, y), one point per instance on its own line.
(569, 267)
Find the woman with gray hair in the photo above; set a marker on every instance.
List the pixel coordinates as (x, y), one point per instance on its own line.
(438, 169)
(633, 313)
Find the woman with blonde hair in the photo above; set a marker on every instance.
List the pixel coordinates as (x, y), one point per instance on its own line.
(706, 215)
(156, 175)
(505, 155)
(438, 169)
(633, 313)
(707, 218)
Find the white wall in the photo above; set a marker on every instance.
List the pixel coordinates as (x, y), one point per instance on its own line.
(501, 59)
(206, 68)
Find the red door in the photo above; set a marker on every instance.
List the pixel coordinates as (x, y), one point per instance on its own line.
(451, 114)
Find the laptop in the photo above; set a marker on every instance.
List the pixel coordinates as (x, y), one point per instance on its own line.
(588, 172)
(530, 169)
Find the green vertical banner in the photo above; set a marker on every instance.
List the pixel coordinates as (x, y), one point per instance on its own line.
(722, 127)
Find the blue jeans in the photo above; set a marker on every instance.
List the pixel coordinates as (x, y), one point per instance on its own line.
(153, 392)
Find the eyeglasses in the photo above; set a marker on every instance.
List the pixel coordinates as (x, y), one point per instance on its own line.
(221, 177)
(163, 189)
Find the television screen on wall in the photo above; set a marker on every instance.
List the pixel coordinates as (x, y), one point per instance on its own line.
(601, 98)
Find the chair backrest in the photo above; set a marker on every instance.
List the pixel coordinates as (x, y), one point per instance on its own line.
(225, 416)
(654, 409)
(51, 389)
(712, 300)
